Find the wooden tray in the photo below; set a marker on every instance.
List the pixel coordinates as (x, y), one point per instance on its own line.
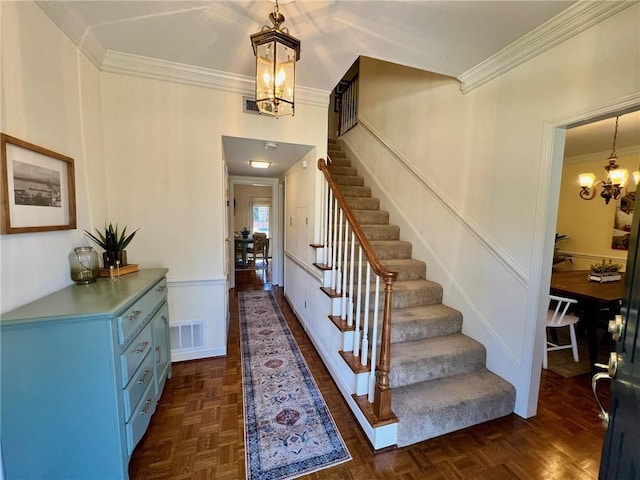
(129, 268)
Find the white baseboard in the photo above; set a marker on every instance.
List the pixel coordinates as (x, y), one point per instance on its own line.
(182, 356)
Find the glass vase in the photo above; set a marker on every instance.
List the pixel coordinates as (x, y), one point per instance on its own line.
(84, 265)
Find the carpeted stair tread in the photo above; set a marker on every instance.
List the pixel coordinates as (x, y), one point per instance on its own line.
(388, 249)
(424, 321)
(363, 203)
(355, 191)
(349, 180)
(381, 232)
(409, 293)
(339, 161)
(407, 268)
(436, 357)
(342, 170)
(371, 217)
(430, 409)
(336, 152)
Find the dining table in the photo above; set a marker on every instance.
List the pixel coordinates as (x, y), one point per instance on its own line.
(595, 301)
(242, 244)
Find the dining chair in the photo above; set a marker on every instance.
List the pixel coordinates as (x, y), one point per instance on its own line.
(259, 247)
(558, 317)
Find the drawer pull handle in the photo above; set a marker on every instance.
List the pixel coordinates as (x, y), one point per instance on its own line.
(159, 355)
(161, 288)
(142, 347)
(134, 315)
(145, 377)
(145, 409)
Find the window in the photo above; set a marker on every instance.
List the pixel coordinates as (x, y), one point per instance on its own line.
(261, 213)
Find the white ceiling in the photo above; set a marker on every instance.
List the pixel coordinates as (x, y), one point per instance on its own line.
(240, 151)
(446, 37)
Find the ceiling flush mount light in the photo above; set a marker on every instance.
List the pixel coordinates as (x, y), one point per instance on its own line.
(615, 181)
(270, 145)
(276, 55)
(257, 164)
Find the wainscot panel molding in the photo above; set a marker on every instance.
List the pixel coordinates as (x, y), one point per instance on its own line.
(577, 18)
(593, 256)
(511, 266)
(300, 263)
(196, 281)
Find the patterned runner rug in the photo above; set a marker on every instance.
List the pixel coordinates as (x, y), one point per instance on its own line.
(289, 431)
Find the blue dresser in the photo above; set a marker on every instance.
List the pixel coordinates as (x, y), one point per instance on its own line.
(81, 372)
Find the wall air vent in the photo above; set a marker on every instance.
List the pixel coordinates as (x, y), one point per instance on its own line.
(249, 105)
(187, 335)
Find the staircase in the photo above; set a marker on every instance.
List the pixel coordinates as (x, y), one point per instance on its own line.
(438, 376)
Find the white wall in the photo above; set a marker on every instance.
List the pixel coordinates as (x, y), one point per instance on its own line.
(482, 223)
(50, 97)
(165, 175)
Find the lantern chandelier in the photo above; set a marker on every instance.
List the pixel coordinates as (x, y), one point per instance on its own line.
(614, 182)
(276, 55)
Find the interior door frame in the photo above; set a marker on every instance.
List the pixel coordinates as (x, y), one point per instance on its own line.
(276, 243)
(548, 194)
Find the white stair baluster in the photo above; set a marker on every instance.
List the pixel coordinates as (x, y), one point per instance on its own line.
(365, 326)
(356, 334)
(339, 255)
(351, 267)
(345, 271)
(324, 215)
(333, 244)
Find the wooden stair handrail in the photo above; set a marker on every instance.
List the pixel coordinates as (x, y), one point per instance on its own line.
(378, 268)
(382, 393)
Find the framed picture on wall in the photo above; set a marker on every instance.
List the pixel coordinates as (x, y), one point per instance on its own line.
(622, 222)
(37, 188)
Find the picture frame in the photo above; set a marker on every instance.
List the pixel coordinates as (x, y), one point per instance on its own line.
(37, 188)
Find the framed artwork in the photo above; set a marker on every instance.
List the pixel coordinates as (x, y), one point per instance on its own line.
(622, 222)
(37, 188)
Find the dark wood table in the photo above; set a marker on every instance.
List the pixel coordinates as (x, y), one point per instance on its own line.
(242, 244)
(593, 298)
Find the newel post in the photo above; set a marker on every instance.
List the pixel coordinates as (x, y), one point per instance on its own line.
(382, 393)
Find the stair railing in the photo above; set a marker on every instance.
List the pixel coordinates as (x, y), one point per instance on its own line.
(348, 253)
(348, 109)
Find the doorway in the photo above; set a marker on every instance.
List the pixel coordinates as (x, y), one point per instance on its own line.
(592, 232)
(550, 177)
(255, 205)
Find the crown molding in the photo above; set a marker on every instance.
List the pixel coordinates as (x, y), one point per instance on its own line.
(74, 26)
(633, 151)
(575, 19)
(146, 67)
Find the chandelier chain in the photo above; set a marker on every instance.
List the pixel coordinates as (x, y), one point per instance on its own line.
(615, 136)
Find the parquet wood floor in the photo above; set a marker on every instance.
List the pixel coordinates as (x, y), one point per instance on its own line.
(197, 431)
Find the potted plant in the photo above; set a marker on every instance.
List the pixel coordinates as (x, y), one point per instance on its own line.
(114, 243)
(245, 232)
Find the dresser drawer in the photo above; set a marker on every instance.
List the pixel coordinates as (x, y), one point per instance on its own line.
(138, 384)
(129, 321)
(135, 354)
(140, 419)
